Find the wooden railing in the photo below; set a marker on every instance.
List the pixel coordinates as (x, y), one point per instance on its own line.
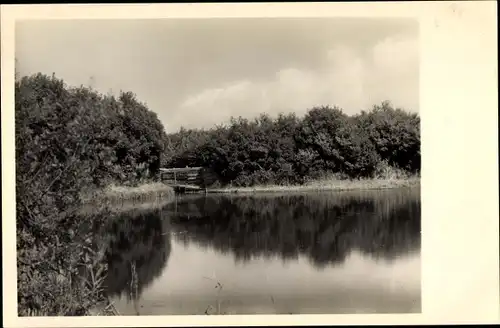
(187, 177)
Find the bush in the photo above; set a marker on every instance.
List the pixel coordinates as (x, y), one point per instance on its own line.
(71, 140)
(395, 135)
(288, 149)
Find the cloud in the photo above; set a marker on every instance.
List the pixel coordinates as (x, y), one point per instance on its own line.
(349, 78)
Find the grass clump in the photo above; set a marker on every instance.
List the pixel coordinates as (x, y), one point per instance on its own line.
(114, 193)
(149, 190)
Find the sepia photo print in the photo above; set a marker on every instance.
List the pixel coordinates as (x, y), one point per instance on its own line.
(217, 166)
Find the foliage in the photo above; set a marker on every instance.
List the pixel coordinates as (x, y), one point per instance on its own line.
(288, 149)
(69, 140)
(395, 135)
(73, 141)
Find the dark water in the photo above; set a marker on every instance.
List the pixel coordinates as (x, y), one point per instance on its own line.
(268, 254)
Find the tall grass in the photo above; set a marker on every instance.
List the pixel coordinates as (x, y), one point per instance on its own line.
(114, 193)
(76, 269)
(385, 176)
(65, 277)
(119, 199)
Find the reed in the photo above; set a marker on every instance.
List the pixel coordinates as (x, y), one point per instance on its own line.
(123, 199)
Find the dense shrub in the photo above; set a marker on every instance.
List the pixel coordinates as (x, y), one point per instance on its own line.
(288, 149)
(395, 134)
(336, 144)
(69, 140)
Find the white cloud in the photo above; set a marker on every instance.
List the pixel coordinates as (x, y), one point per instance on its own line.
(349, 79)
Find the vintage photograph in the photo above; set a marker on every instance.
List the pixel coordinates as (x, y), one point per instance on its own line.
(217, 166)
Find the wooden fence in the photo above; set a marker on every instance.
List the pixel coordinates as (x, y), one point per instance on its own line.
(188, 178)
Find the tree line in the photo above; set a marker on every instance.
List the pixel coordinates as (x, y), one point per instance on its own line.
(291, 149)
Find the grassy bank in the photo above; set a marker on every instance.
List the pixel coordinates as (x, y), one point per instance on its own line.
(143, 191)
(123, 198)
(330, 184)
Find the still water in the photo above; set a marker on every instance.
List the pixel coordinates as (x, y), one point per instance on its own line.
(303, 253)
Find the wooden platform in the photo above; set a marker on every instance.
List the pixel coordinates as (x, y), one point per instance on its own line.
(180, 188)
(187, 179)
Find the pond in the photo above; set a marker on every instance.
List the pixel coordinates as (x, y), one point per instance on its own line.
(295, 253)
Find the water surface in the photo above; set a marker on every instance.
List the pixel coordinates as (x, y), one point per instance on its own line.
(298, 253)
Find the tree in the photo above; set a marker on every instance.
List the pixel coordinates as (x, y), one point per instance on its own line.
(395, 134)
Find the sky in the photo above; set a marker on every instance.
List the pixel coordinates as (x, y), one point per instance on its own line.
(197, 73)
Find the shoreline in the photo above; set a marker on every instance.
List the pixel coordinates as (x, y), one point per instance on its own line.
(325, 185)
(120, 199)
(156, 193)
(118, 193)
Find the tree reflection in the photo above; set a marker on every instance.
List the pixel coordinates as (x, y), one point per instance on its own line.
(137, 249)
(324, 227)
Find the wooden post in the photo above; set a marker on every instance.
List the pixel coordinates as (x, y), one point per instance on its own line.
(175, 205)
